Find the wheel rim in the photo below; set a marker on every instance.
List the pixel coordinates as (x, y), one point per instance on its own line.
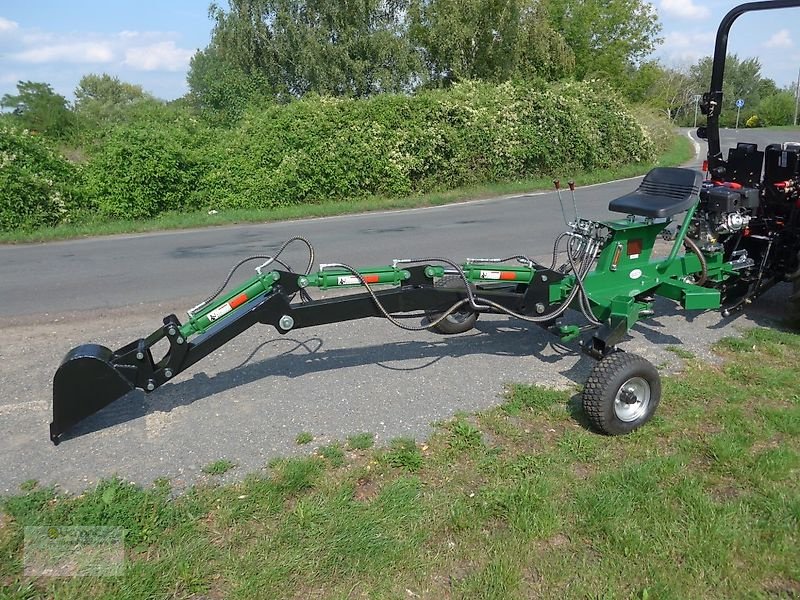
(459, 316)
(632, 399)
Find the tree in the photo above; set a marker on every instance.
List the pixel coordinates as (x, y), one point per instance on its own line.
(777, 109)
(742, 80)
(103, 99)
(493, 40)
(288, 48)
(38, 108)
(672, 92)
(220, 87)
(607, 37)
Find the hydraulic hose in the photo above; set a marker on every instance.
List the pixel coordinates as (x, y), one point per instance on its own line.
(269, 259)
(703, 263)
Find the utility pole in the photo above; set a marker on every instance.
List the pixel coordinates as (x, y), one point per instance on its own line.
(696, 104)
(796, 97)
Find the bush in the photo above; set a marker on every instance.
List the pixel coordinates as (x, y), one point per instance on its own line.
(142, 171)
(159, 158)
(753, 121)
(658, 130)
(37, 185)
(319, 149)
(778, 109)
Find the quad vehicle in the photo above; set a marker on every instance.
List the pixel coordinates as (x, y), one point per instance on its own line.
(740, 233)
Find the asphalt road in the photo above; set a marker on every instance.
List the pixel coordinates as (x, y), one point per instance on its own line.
(248, 401)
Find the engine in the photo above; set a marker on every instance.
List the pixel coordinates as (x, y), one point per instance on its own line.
(725, 208)
(754, 221)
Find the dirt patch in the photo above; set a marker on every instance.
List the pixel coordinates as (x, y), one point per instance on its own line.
(582, 470)
(782, 588)
(724, 493)
(366, 490)
(5, 522)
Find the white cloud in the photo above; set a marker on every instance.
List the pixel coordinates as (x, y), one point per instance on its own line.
(687, 46)
(685, 9)
(7, 25)
(75, 52)
(780, 39)
(163, 56)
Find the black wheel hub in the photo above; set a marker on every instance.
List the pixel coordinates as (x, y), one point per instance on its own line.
(627, 397)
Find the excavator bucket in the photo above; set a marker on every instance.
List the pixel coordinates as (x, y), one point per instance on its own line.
(85, 382)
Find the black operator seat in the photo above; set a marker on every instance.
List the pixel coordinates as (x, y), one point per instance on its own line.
(664, 192)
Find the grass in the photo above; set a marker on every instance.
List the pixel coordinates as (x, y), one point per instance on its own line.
(680, 152)
(218, 467)
(333, 453)
(681, 352)
(304, 437)
(518, 501)
(361, 441)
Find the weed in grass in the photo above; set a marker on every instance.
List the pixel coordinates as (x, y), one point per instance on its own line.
(333, 453)
(580, 445)
(28, 485)
(361, 441)
(732, 344)
(534, 397)
(295, 475)
(464, 436)
(304, 437)
(528, 506)
(500, 580)
(681, 352)
(404, 454)
(218, 467)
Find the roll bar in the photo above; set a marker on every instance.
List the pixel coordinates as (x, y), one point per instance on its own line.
(712, 100)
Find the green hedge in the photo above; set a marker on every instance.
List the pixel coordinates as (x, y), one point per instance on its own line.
(37, 185)
(320, 149)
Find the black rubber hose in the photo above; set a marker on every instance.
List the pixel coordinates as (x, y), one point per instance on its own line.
(688, 242)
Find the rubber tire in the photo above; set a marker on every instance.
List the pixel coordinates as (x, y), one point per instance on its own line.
(452, 326)
(605, 380)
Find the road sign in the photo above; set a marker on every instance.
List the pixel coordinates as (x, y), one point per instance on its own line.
(739, 103)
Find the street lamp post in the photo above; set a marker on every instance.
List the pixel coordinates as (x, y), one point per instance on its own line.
(697, 103)
(796, 97)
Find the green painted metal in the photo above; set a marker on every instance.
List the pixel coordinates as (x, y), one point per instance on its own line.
(487, 272)
(625, 271)
(567, 333)
(691, 297)
(680, 237)
(498, 272)
(200, 321)
(336, 278)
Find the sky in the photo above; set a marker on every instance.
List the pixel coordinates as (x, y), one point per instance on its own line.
(150, 42)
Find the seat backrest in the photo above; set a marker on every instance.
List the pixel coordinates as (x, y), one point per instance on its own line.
(664, 192)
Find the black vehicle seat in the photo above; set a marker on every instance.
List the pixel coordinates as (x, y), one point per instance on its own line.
(664, 192)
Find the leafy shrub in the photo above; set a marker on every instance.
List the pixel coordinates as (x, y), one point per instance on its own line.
(142, 171)
(318, 149)
(777, 109)
(753, 121)
(37, 185)
(157, 158)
